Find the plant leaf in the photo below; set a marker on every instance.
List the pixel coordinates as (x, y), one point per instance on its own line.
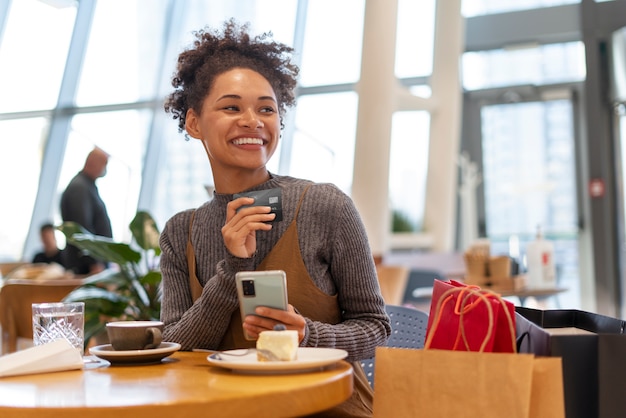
(70, 228)
(105, 248)
(105, 278)
(144, 230)
(88, 293)
(127, 292)
(152, 278)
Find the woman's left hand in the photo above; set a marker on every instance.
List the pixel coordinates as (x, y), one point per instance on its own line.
(266, 318)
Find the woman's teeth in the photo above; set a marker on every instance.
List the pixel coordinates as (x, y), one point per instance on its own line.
(244, 141)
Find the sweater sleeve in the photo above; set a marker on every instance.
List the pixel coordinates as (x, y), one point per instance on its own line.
(344, 246)
(199, 324)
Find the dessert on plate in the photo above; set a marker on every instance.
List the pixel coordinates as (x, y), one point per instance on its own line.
(279, 344)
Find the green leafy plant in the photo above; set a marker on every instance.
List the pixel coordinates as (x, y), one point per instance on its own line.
(401, 222)
(130, 288)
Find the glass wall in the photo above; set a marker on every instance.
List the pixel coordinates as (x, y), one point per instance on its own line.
(115, 82)
(407, 173)
(483, 7)
(33, 52)
(528, 145)
(78, 75)
(535, 65)
(530, 184)
(21, 154)
(100, 72)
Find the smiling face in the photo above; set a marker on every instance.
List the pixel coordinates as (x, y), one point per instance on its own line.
(239, 126)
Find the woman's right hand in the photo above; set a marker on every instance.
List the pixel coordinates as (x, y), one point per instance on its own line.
(239, 231)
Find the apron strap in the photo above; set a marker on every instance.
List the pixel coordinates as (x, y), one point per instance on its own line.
(194, 283)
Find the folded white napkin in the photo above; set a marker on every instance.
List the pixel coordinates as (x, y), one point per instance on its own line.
(56, 356)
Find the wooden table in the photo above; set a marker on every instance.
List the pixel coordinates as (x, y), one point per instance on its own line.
(523, 294)
(183, 385)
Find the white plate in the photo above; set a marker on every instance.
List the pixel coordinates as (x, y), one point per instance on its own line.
(153, 355)
(308, 358)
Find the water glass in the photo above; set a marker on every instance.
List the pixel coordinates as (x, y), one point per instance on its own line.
(52, 321)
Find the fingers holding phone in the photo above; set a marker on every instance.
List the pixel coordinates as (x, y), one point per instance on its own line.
(266, 318)
(257, 289)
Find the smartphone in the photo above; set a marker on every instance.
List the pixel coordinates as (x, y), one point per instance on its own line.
(261, 288)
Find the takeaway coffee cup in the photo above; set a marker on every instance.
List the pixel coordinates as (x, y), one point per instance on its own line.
(134, 335)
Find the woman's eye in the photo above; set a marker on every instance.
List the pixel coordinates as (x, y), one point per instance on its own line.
(268, 109)
(233, 108)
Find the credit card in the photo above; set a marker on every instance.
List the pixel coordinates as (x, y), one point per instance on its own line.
(270, 197)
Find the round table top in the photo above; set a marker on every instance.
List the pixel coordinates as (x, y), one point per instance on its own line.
(184, 384)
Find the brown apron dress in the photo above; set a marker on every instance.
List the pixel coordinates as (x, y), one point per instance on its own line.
(308, 300)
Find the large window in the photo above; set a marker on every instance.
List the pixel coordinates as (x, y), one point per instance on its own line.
(407, 174)
(415, 38)
(117, 71)
(530, 183)
(483, 7)
(331, 52)
(534, 65)
(121, 65)
(323, 144)
(116, 74)
(528, 150)
(21, 152)
(33, 51)
(123, 135)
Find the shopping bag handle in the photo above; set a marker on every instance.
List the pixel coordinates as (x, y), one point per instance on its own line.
(524, 335)
(507, 314)
(449, 295)
(462, 307)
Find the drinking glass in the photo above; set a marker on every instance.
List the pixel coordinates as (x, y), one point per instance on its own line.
(52, 321)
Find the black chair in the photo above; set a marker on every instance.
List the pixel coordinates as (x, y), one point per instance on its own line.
(408, 330)
(419, 287)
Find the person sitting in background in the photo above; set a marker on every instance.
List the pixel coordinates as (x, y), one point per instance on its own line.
(51, 252)
(232, 90)
(81, 203)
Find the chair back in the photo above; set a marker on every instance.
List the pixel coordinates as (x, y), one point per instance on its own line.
(392, 281)
(419, 287)
(408, 330)
(16, 299)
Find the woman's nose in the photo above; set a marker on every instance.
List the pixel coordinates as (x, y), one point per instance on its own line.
(249, 119)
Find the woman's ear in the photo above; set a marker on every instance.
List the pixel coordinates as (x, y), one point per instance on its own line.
(191, 124)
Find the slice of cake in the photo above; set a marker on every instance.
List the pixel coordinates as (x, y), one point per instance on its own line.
(277, 345)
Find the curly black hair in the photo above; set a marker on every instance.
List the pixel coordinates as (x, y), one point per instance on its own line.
(214, 52)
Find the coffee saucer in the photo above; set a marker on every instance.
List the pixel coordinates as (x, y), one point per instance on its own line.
(148, 356)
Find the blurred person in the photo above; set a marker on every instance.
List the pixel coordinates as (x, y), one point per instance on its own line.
(81, 203)
(231, 93)
(51, 252)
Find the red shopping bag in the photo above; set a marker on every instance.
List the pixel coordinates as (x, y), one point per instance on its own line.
(468, 318)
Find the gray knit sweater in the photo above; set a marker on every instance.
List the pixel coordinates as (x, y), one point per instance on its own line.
(335, 251)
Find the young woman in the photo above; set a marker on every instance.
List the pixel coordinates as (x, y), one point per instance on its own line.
(231, 93)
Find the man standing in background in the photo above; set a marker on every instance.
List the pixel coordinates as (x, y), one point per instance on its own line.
(81, 203)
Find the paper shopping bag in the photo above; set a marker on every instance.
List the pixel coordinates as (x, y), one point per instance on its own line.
(592, 348)
(468, 318)
(546, 396)
(447, 383)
